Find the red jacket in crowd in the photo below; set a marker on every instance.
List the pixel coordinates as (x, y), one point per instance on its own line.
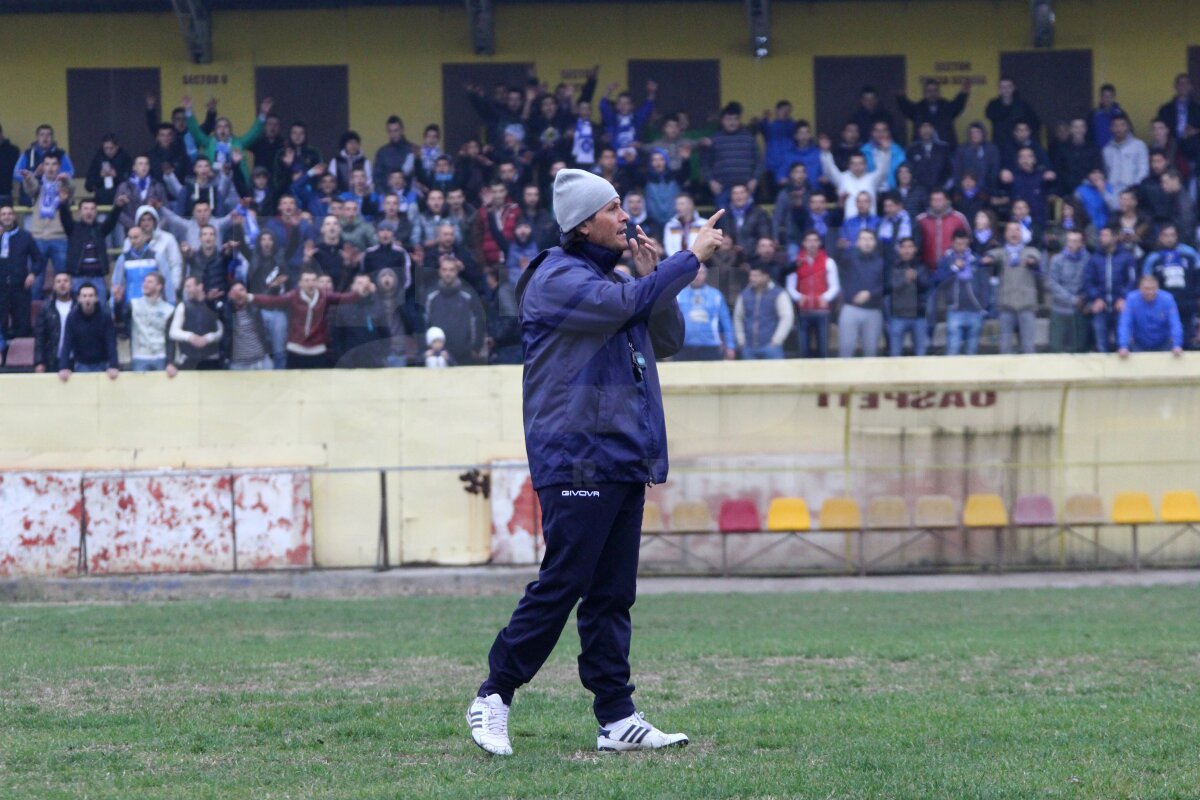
(308, 318)
(488, 249)
(937, 233)
(812, 282)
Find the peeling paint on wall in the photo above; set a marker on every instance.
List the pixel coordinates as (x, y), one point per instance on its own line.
(39, 523)
(137, 523)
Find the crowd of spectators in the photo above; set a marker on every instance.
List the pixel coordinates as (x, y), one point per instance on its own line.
(217, 250)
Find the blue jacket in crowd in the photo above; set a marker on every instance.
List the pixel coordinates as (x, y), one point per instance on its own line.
(809, 156)
(622, 129)
(1110, 276)
(21, 257)
(1145, 326)
(706, 318)
(89, 339)
(590, 414)
(777, 136)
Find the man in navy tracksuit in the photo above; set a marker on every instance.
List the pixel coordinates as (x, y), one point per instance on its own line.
(595, 435)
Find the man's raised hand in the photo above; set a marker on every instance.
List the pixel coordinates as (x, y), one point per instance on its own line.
(709, 238)
(645, 253)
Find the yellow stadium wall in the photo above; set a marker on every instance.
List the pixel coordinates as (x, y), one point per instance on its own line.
(395, 54)
(1051, 424)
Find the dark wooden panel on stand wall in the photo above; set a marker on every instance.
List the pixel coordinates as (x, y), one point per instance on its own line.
(1193, 67)
(101, 101)
(690, 86)
(460, 120)
(318, 96)
(1069, 94)
(838, 81)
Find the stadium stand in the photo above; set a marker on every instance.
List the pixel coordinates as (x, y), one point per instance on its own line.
(346, 214)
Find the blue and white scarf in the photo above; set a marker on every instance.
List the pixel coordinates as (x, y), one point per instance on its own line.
(584, 148)
(429, 157)
(48, 199)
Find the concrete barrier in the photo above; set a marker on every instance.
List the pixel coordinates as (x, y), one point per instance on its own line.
(61, 524)
(864, 427)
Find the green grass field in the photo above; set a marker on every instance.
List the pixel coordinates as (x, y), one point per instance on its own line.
(1056, 693)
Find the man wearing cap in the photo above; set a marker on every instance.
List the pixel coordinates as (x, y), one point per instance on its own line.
(595, 437)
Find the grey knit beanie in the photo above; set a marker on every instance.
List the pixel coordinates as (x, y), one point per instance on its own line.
(579, 194)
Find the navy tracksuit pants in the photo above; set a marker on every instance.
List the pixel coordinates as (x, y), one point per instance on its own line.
(592, 538)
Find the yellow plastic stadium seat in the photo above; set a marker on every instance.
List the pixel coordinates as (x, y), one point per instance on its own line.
(1181, 507)
(935, 511)
(652, 518)
(985, 511)
(840, 514)
(1084, 509)
(691, 518)
(888, 513)
(1132, 508)
(788, 514)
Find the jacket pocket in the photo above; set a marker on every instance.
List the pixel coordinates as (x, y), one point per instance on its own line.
(620, 409)
(583, 409)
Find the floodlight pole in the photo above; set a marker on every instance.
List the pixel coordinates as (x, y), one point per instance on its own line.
(482, 22)
(758, 15)
(1042, 17)
(195, 19)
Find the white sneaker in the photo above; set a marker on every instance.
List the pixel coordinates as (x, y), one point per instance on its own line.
(634, 733)
(488, 718)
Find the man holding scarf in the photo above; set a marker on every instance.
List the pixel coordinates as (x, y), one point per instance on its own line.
(138, 190)
(31, 160)
(45, 225)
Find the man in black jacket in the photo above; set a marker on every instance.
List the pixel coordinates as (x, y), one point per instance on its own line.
(426, 278)
(503, 327)
(357, 329)
(183, 146)
(388, 253)
(1009, 108)
(209, 265)
(295, 158)
(1181, 113)
(87, 254)
(50, 324)
(89, 339)
(266, 148)
(456, 309)
(929, 159)
(933, 108)
(1076, 157)
(165, 156)
(745, 223)
(10, 154)
(109, 168)
(909, 283)
(397, 154)
(20, 261)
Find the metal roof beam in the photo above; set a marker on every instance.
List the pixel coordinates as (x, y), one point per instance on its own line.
(195, 20)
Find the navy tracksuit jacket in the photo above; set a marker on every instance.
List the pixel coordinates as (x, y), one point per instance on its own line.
(595, 436)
